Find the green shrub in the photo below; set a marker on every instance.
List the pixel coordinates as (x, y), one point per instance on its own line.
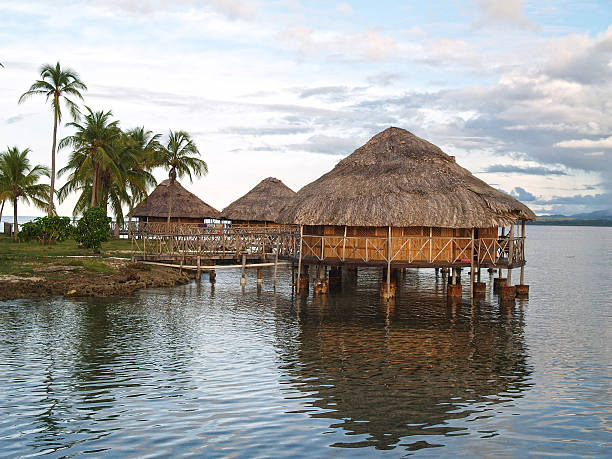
(47, 230)
(93, 229)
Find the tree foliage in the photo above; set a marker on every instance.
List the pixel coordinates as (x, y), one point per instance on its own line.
(19, 181)
(93, 229)
(47, 230)
(58, 85)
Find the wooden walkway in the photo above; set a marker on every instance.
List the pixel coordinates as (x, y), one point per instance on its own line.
(184, 243)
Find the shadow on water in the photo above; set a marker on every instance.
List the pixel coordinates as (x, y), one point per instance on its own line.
(400, 373)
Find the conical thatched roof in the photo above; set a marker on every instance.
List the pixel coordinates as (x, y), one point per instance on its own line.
(262, 203)
(400, 179)
(184, 203)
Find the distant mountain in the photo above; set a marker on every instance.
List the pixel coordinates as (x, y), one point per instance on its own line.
(598, 214)
(597, 218)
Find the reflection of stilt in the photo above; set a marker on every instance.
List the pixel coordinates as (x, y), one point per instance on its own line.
(453, 289)
(321, 284)
(243, 274)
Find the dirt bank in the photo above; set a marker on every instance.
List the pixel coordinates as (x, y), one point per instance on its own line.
(123, 278)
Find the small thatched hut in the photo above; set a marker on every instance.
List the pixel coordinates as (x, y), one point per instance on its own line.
(261, 205)
(171, 199)
(400, 201)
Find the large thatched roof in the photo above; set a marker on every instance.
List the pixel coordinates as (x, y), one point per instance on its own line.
(184, 203)
(400, 179)
(262, 203)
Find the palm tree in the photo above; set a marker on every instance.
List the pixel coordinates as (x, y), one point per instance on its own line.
(19, 180)
(145, 149)
(58, 85)
(180, 157)
(94, 158)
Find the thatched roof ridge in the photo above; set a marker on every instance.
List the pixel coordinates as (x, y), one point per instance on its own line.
(262, 203)
(184, 203)
(399, 179)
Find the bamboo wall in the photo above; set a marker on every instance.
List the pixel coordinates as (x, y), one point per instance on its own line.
(408, 244)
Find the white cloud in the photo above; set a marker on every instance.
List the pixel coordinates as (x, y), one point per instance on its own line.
(509, 12)
(586, 143)
(370, 43)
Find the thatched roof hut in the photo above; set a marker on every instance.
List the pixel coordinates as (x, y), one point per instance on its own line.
(401, 180)
(171, 197)
(261, 204)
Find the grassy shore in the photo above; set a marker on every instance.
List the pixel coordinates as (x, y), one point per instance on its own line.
(23, 258)
(72, 272)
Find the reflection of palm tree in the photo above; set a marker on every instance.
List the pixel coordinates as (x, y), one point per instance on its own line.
(180, 157)
(18, 180)
(58, 85)
(409, 377)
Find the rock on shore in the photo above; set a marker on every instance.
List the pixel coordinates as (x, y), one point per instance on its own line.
(81, 283)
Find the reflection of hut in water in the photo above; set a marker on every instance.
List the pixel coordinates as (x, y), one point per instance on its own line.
(171, 199)
(261, 205)
(398, 382)
(399, 201)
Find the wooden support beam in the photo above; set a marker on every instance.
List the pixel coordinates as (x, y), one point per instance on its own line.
(276, 260)
(299, 274)
(242, 276)
(389, 262)
(510, 254)
(472, 266)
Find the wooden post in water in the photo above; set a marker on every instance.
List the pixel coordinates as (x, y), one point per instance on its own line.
(344, 244)
(389, 261)
(276, 261)
(510, 254)
(472, 266)
(212, 274)
(523, 260)
(242, 277)
(259, 278)
(299, 273)
(199, 272)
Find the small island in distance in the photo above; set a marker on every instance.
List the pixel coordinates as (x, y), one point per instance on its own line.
(597, 218)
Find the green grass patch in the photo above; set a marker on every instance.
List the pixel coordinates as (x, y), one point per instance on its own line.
(22, 257)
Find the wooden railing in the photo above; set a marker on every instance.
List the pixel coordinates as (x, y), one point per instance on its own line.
(201, 240)
(411, 249)
(189, 240)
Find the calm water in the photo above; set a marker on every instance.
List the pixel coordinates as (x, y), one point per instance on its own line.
(218, 371)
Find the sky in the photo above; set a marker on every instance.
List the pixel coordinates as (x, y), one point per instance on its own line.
(520, 92)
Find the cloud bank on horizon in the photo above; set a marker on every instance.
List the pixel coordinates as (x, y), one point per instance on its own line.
(519, 91)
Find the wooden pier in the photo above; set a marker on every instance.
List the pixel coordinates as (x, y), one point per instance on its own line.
(206, 247)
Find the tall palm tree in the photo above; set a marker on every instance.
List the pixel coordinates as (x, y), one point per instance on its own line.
(20, 181)
(145, 149)
(59, 85)
(180, 157)
(94, 157)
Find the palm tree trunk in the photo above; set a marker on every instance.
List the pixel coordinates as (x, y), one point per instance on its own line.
(1, 209)
(15, 226)
(94, 187)
(51, 210)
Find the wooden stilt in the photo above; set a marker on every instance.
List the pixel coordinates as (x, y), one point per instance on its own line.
(212, 274)
(242, 277)
(299, 274)
(389, 262)
(259, 278)
(472, 266)
(510, 254)
(523, 240)
(276, 263)
(199, 271)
